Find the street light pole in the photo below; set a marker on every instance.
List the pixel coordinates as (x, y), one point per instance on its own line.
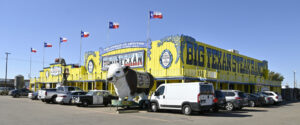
(6, 69)
(294, 79)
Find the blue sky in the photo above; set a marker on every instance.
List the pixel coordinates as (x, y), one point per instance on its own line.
(263, 29)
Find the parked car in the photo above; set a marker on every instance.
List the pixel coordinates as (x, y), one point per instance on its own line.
(267, 100)
(33, 95)
(19, 92)
(5, 90)
(235, 99)
(255, 100)
(46, 95)
(67, 98)
(219, 101)
(277, 98)
(187, 97)
(94, 97)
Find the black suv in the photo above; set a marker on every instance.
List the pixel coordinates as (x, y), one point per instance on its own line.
(219, 101)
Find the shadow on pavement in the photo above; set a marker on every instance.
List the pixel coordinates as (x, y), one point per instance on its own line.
(224, 114)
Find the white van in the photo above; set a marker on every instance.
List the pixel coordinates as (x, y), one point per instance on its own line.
(187, 97)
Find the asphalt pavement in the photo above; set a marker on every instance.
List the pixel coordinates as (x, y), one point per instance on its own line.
(23, 111)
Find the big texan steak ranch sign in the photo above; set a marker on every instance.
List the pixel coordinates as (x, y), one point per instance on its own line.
(132, 59)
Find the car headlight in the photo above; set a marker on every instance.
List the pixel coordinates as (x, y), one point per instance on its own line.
(77, 100)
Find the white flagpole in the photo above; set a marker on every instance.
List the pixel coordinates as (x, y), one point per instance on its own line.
(30, 65)
(80, 58)
(59, 48)
(80, 50)
(106, 85)
(148, 39)
(43, 55)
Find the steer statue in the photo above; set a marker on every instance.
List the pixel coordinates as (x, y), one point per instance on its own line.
(129, 83)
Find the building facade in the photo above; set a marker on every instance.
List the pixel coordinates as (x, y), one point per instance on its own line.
(173, 59)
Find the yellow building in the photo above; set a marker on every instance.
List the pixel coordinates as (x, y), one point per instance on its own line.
(172, 59)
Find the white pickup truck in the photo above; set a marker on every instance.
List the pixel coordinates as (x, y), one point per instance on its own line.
(49, 95)
(46, 94)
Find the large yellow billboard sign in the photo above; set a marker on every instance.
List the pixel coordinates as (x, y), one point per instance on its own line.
(195, 53)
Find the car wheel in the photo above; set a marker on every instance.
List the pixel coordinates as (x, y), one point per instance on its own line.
(215, 109)
(229, 106)
(47, 101)
(105, 104)
(70, 102)
(187, 110)
(53, 100)
(154, 107)
(251, 104)
(85, 103)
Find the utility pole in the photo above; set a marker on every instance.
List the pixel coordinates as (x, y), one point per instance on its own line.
(6, 69)
(295, 79)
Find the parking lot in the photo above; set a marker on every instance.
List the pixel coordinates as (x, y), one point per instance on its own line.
(23, 111)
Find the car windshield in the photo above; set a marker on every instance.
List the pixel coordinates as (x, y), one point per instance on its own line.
(266, 93)
(51, 90)
(90, 93)
(73, 89)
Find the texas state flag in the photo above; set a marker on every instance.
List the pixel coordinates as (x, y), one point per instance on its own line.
(155, 14)
(47, 45)
(85, 34)
(62, 39)
(113, 25)
(33, 50)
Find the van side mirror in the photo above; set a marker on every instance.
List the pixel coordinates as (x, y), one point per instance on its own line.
(156, 93)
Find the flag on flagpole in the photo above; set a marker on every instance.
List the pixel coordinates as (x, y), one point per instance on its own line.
(33, 50)
(155, 14)
(47, 45)
(113, 25)
(85, 34)
(63, 39)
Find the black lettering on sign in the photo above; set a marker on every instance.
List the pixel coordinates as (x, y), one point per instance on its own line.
(209, 60)
(228, 62)
(200, 56)
(219, 60)
(189, 49)
(233, 63)
(195, 54)
(214, 59)
(224, 65)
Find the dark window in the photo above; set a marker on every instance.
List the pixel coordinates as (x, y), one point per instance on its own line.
(71, 88)
(229, 94)
(89, 86)
(60, 89)
(231, 86)
(161, 90)
(241, 94)
(51, 90)
(206, 89)
(268, 93)
(219, 94)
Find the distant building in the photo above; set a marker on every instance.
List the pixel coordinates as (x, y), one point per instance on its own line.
(11, 83)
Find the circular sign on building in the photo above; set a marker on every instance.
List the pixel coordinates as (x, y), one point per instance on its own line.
(166, 59)
(90, 66)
